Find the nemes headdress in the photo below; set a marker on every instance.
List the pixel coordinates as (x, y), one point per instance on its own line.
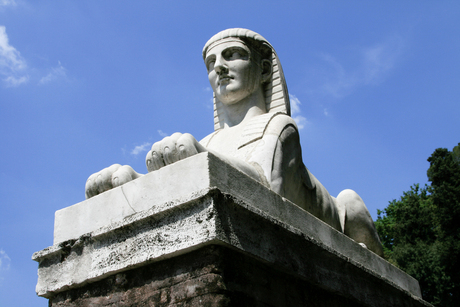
(275, 89)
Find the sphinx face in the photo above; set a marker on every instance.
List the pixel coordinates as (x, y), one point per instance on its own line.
(233, 71)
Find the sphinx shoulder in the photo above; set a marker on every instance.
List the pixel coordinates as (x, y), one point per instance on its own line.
(280, 123)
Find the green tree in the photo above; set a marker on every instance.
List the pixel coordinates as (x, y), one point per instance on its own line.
(420, 232)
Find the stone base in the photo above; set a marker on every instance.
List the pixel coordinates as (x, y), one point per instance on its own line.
(228, 242)
(211, 276)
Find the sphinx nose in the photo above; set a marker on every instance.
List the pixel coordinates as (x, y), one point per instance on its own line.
(219, 67)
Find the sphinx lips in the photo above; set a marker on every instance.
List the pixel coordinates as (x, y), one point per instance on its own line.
(224, 80)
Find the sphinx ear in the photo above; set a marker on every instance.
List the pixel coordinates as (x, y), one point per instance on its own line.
(267, 70)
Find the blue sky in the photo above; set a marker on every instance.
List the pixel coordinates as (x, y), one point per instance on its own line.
(85, 84)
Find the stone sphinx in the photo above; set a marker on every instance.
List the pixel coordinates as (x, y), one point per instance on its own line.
(255, 133)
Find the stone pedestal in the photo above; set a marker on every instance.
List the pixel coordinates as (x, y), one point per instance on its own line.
(201, 233)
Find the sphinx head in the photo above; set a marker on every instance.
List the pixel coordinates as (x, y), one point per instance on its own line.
(239, 62)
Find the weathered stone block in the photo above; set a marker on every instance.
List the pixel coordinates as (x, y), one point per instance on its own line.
(222, 240)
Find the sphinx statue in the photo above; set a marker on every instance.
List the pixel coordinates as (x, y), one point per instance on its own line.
(254, 132)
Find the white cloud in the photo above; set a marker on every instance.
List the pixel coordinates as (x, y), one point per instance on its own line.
(4, 261)
(295, 104)
(140, 148)
(300, 121)
(374, 64)
(7, 3)
(210, 104)
(295, 112)
(162, 134)
(381, 58)
(56, 72)
(15, 81)
(4, 264)
(12, 65)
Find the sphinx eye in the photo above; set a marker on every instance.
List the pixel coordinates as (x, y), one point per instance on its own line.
(235, 54)
(210, 63)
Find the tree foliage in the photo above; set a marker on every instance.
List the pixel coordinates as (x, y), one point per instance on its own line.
(420, 232)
